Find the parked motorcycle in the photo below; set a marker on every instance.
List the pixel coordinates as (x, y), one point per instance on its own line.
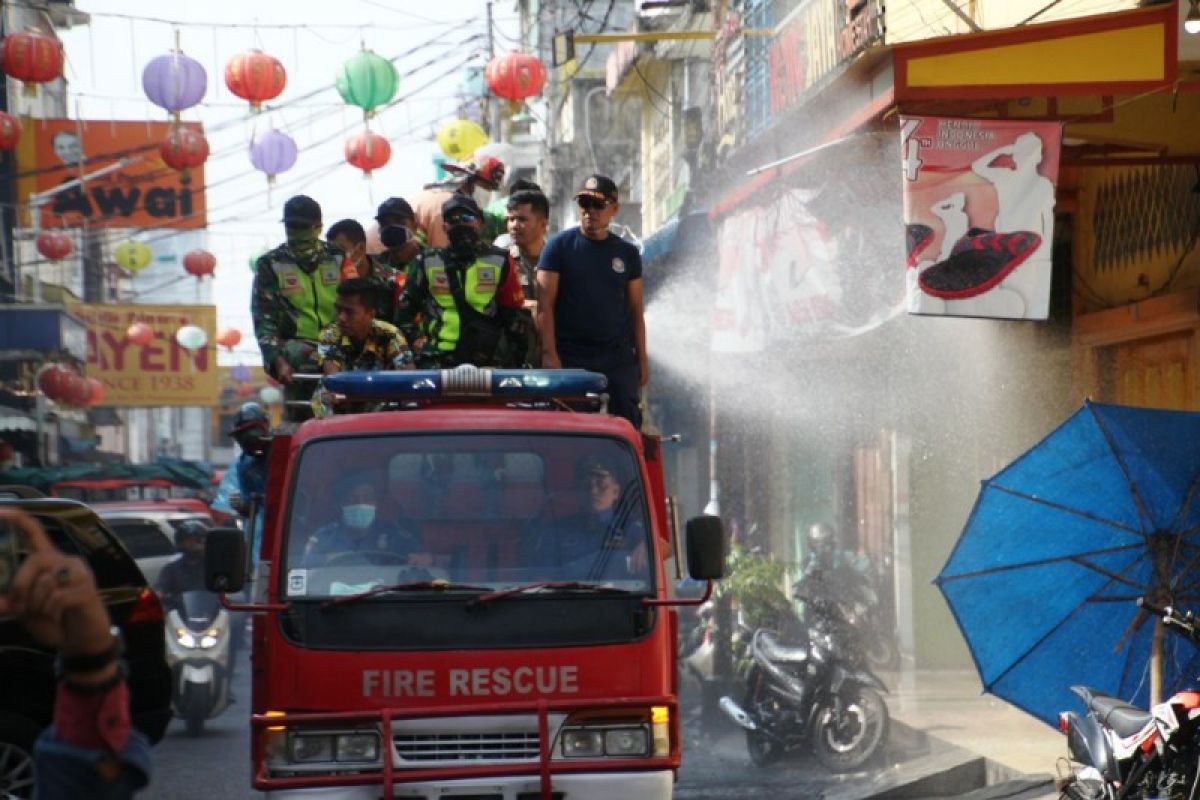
(861, 612)
(818, 693)
(198, 639)
(1121, 751)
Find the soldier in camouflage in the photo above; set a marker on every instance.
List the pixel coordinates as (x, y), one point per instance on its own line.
(348, 236)
(295, 286)
(462, 304)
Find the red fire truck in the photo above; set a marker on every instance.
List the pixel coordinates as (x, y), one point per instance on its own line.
(466, 593)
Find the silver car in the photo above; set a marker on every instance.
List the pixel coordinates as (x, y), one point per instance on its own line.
(149, 536)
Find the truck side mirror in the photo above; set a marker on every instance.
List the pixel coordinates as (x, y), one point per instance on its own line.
(705, 548)
(224, 560)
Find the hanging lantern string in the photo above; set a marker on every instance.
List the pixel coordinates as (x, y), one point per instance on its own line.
(247, 117)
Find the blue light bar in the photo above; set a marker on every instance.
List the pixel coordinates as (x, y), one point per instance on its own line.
(467, 381)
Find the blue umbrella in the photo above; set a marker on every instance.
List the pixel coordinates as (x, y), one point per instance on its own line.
(1044, 579)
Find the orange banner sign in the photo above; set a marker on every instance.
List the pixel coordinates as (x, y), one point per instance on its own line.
(159, 373)
(142, 192)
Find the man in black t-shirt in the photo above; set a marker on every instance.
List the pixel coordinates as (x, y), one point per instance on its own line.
(590, 301)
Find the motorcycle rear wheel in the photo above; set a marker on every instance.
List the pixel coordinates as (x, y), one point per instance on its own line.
(844, 741)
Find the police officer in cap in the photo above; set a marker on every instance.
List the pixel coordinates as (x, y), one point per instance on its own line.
(468, 297)
(295, 286)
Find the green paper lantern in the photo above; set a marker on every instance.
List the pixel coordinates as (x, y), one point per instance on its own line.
(368, 81)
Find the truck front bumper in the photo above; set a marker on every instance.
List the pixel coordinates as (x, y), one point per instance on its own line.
(655, 785)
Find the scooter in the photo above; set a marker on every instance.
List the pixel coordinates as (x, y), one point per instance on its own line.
(198, 639)
(817, 693)
(1121, 751)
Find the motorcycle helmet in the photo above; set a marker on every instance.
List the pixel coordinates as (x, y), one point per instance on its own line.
(250, 415)
(821, 539)
(190, 530)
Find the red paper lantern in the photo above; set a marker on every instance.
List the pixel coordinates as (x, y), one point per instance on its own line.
(31, 56)
(79, 391)
(95, 392)
(54, 245)
(52, 381)
(139, 333)
(244, 390)
(515, 76)
(229, 337)
(256, 77)
(200, 263)
(10, 131)
(368, 151)
(183, 149)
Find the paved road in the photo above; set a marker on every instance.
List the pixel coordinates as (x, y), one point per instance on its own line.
(215, 764)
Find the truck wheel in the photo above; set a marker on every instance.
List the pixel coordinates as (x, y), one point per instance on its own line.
(17, 736)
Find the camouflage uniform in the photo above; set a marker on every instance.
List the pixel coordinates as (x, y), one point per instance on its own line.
(288, 318)
(384, 348)
(389, 281)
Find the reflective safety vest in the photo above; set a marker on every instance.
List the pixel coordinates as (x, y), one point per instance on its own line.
(312, 294)
(477, 285)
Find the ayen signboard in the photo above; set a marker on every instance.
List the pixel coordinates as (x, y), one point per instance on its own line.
(160, 373)
(142, 193)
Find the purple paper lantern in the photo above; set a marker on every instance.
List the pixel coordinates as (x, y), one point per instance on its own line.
(273, 152)
(240, 373)
(174, 81)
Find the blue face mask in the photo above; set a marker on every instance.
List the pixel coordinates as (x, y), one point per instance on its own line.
(359, 516)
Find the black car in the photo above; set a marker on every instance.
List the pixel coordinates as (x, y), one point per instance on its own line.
(27, 683)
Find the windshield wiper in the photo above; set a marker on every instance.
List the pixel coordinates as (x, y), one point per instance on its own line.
(557, 586)
(436, 585)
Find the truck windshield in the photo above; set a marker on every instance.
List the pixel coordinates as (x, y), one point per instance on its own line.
(481, 511)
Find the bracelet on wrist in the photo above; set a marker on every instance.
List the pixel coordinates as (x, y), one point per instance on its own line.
(118, 677)
(91, 662)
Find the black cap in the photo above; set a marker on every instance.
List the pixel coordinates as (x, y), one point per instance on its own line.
(395, 207)
(600, 187)
(302, 209)
(461, 202)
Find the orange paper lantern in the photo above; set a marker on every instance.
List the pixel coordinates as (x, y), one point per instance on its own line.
(139, 333)
(256, 77)
(200, 263)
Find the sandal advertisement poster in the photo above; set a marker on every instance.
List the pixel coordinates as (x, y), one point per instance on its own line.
(979, 215)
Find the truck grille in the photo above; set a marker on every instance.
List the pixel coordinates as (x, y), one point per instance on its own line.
(466, 746)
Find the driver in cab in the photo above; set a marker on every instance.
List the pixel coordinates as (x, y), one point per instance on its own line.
(605, 540)
(359, 535)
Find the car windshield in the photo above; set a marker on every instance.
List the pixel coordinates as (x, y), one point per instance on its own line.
(487, 511)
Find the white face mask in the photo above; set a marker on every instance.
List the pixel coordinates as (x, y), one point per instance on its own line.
(360, 515)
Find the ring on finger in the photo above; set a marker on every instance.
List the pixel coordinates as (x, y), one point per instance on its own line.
(62, 575)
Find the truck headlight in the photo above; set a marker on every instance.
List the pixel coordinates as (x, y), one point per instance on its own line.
(357, 747)
(625, 742)
(304, 748)
(582, 743)
(620, 741)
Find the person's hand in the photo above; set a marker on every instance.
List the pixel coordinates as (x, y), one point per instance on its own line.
(551, 360)
(332, 368)
(54, 595)
(283, 370)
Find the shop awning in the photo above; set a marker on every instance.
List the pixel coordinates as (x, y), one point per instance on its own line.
(1125, 52)
(12, 419)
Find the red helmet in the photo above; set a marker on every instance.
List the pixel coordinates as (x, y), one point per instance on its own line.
(488, 173)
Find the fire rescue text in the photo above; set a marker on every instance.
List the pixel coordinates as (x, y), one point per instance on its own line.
(477, 682)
